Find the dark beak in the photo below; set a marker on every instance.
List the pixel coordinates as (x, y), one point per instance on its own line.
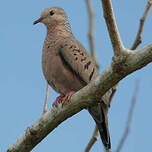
(38, 21)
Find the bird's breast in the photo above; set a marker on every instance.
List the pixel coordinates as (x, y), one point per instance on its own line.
(61, 79)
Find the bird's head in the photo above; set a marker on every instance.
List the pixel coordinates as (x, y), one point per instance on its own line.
(52, 16)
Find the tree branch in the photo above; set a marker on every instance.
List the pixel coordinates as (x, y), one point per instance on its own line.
(142, 21)
(46, 98)
(93, 139)
(130, 115)
(82, 99)
(112, 27)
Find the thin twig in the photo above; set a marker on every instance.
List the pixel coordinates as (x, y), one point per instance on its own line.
(46, 98)
(93, 139)
(142, 21)
(90, 33)
(130, 116)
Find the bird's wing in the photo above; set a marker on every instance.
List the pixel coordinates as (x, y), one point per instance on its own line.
(78, 59)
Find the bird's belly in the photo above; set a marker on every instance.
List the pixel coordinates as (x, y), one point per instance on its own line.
(60, 78)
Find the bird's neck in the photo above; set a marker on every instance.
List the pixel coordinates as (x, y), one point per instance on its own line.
(60, 31)
(57, 33)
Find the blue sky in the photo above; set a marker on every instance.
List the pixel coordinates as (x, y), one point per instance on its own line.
(22, 85)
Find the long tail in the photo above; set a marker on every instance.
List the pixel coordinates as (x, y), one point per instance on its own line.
(99, 114)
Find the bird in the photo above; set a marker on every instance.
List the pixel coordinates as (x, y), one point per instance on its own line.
(68, 67)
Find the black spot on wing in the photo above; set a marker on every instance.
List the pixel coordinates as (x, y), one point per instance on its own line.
(86, 66)
(68, 66)
(83, 59)
(91, 75)
(76, 58)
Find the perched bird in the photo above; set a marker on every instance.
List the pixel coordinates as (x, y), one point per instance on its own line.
(68, 67)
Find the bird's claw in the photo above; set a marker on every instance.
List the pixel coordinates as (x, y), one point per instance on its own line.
(57, 101)
(63, 99)
(67, 97)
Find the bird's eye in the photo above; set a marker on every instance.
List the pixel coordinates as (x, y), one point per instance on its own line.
(51, 12)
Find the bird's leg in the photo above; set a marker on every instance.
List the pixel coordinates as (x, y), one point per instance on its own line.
(58, 100)
(67, 97)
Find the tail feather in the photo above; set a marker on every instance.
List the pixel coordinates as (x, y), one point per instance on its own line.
(99, 114)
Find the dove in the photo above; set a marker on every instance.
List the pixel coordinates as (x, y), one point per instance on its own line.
(68, 67)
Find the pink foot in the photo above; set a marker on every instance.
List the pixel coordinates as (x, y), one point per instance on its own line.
(58, 100)
(67, 97)
(63, 99)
